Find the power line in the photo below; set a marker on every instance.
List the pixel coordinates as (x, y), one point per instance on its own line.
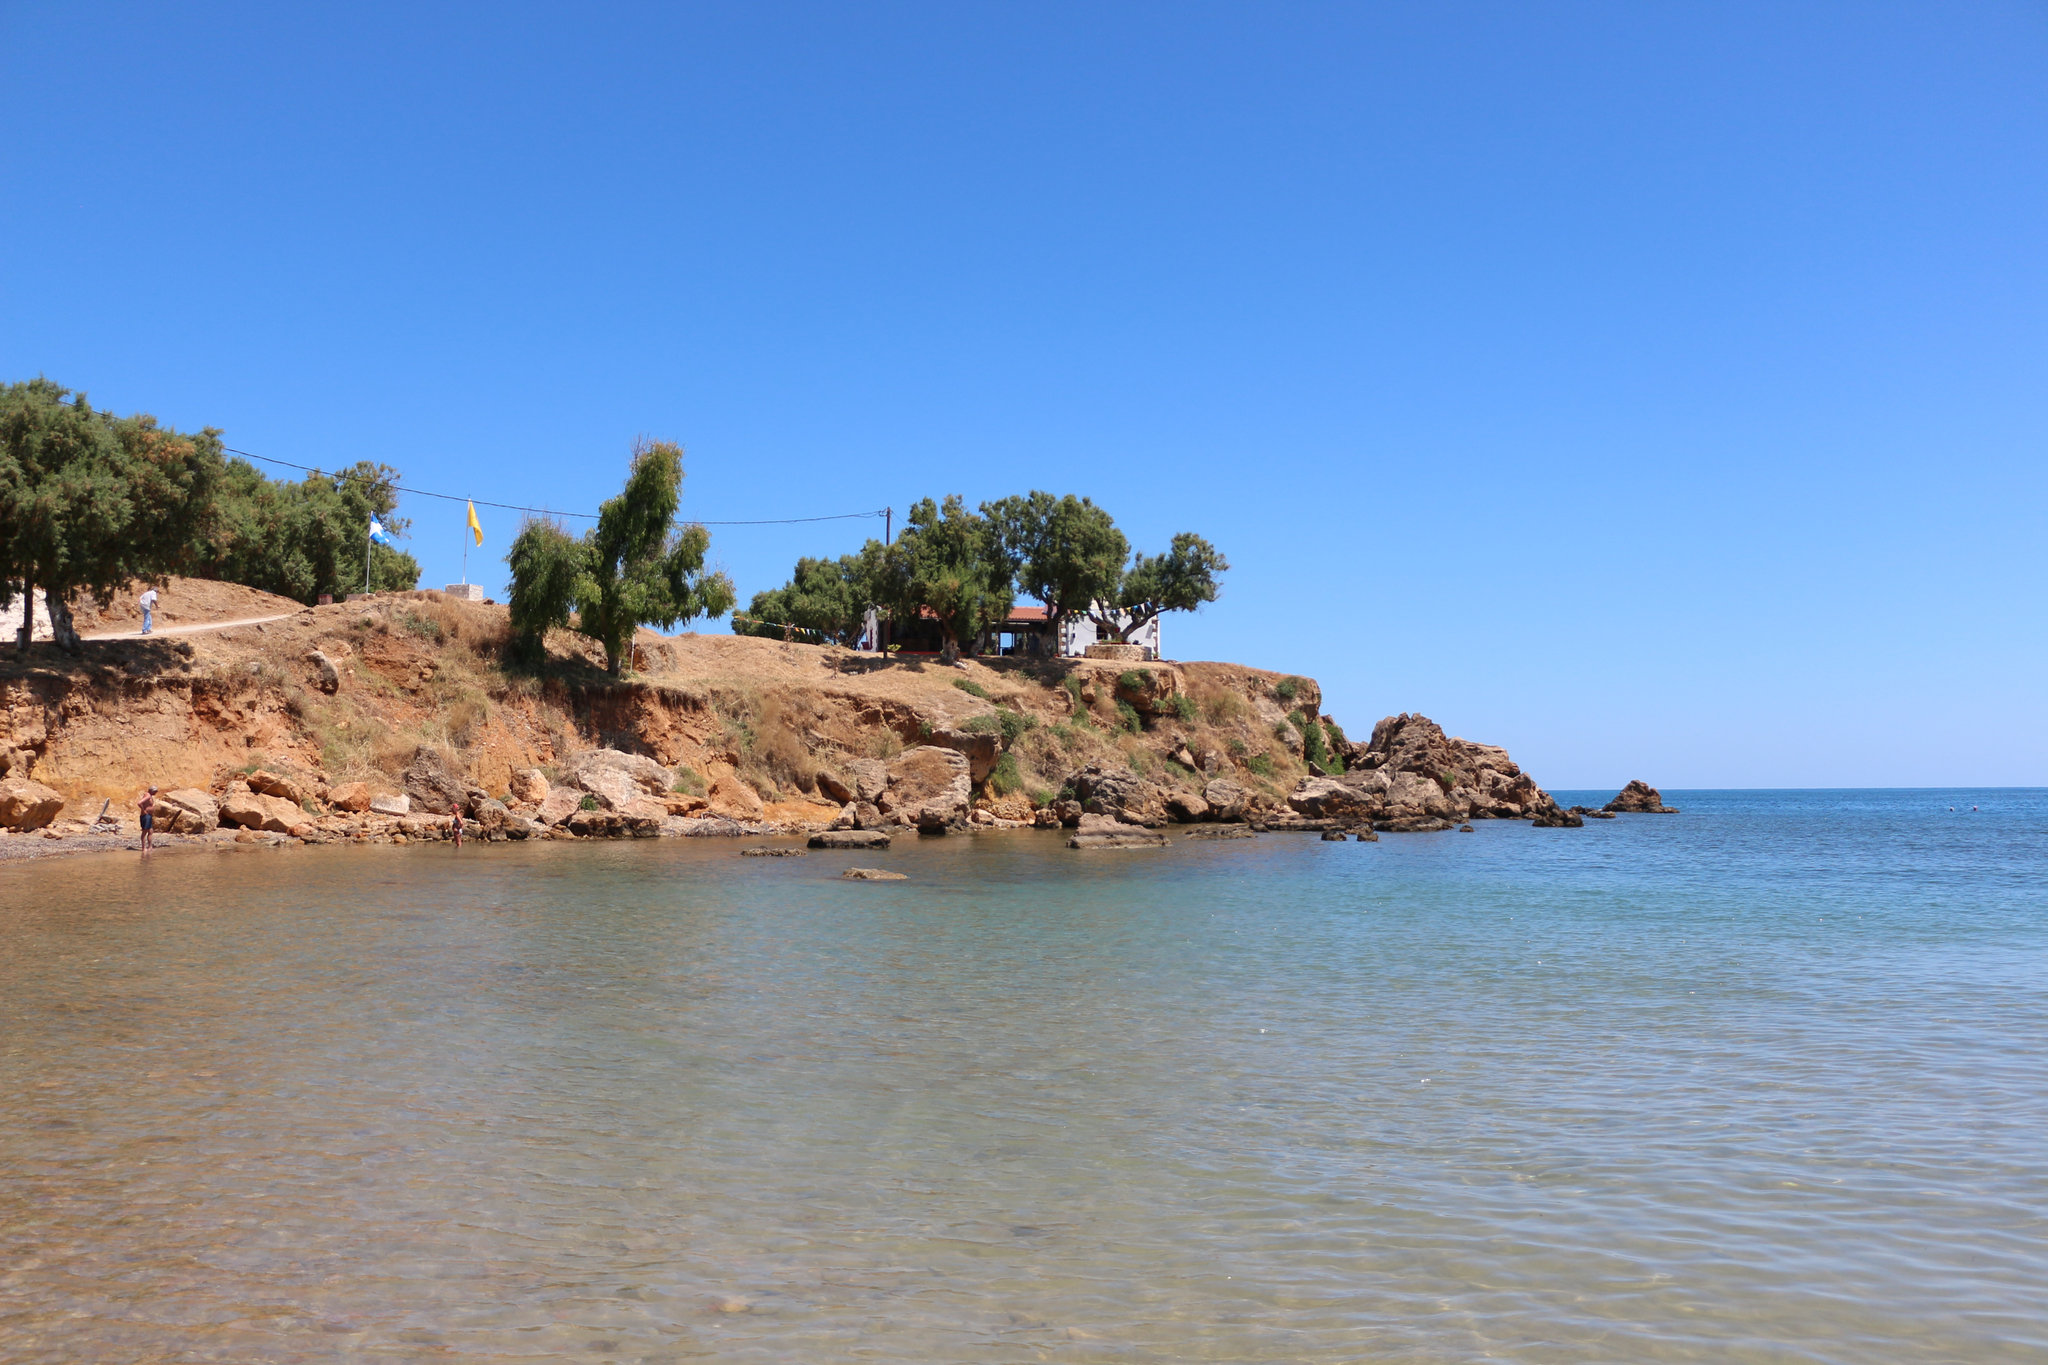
(545, 512)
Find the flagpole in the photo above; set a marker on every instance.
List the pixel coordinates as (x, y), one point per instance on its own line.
(366, 550)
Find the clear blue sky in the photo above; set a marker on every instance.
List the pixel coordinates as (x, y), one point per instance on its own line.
(1658, 390)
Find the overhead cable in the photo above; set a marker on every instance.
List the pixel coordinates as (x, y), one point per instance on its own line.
(543, 511)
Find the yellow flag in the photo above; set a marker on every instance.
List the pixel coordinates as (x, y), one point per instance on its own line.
(475, 529)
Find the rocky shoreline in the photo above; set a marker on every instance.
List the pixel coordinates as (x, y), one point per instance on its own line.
(376, 721)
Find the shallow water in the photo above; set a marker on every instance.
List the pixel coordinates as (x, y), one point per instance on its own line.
(1765, 1081)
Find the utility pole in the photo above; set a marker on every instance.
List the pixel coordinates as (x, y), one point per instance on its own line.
(366, 550)
(888, 525)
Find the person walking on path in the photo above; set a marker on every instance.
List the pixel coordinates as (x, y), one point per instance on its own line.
(148, 611)
(146, 808)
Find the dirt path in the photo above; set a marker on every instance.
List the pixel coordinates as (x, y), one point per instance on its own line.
(188, 630)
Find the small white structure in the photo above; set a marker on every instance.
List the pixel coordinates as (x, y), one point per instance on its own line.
(1028, 632)
(465, 592)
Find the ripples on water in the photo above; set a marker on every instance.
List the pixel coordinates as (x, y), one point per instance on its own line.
(1763, 1081)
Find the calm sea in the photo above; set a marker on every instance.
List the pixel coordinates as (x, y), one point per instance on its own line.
(1764, 1081)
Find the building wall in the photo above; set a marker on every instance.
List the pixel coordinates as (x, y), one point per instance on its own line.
(1079, 632)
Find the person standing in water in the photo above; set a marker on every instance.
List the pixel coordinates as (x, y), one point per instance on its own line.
(148, 609)
(146, 810)
(458, 827)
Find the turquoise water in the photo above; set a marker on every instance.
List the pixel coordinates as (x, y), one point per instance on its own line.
(1764, 1081)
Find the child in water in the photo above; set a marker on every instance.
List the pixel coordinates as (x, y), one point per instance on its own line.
(146, 809)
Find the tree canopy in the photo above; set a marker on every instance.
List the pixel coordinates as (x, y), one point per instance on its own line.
(307, 538)
(1182, 579)
(962, 571)
(1065, 552)
(634, 568)
(824, 597)
(948, 562)
(89, 501)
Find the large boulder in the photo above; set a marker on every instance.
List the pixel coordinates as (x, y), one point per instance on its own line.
(390, 803)
(1102, 831)
(528, 786)
(27, 805)
(1227, 800)
(326, 676)
(352, 797)
(494, 820)
(187, 810)
(849, 838)
(617, 777)
(870, 779)
(1640, 798)
(435, 786)
(1120, 793)
(278, 785)
(981, 747)
(929, 787)
(732, 796)
(254, 810)
(1186, 807)
(558, 805)
(1326, 798)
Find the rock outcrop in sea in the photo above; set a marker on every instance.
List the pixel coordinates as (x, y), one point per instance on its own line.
(1639, 798)
(1411, 777)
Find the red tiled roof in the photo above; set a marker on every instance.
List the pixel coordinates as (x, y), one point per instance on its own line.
(1026, 614)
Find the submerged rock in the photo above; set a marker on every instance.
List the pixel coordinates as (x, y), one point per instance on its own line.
(850, 838)
(871, 874)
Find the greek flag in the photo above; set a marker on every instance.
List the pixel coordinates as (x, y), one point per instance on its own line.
(378, 533)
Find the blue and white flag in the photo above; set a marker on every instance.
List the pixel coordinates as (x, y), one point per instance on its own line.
(378, 533)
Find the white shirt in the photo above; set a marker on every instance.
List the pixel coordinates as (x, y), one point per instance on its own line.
(149, 598)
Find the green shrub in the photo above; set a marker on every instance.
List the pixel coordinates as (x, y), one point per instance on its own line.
(1314, 747)
(687, 781)
(1010, 724)
(1288, 688)
(1040, 798)
(1334, 735)
(1004, 777)
(971, 688)
(1259, 764)
(422, 626)
(1073, 686)
(1131, 680)
(1237, 749)
(1015, 725)
(1127, 717)
(587, 803)
(1184, 708)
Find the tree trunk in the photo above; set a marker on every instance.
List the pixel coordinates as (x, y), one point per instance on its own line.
(61, 628)
(28, 617)
(949, 653)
